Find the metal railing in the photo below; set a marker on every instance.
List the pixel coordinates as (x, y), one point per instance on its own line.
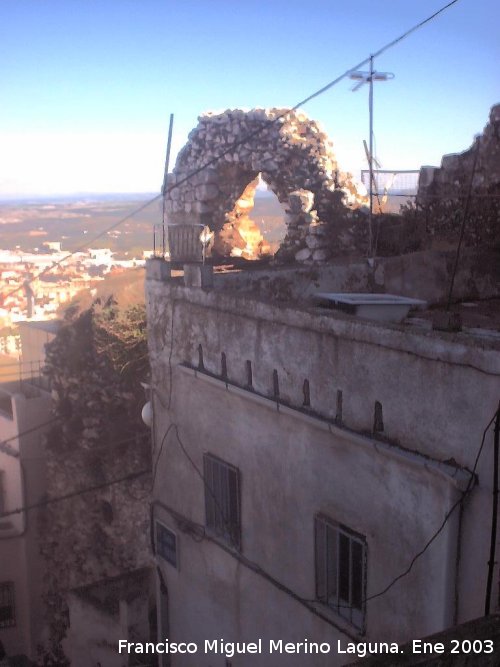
(391, 187)
(24, 374)
(183, 242)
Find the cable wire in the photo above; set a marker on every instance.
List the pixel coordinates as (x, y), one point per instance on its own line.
(74, 494)
(248, 136)
(184, 523)
(85, 245)
(460, 500)
(21, 434)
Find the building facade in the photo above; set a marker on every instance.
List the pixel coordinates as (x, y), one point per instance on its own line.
(25, 413)
(305, 459)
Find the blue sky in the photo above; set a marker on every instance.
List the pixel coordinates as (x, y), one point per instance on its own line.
(86, 86)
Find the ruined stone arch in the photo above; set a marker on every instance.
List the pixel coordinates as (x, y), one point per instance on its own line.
(292, 154)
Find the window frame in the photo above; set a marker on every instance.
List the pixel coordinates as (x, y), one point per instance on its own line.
(7, 590)
(162, 526)
(222, 492)
(328, 585)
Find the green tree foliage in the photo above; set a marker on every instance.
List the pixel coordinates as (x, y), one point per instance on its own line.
(96, 365)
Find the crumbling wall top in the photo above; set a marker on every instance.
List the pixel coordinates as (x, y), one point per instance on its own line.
(290, 151)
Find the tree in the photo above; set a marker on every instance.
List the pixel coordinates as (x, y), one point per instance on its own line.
(95, 365)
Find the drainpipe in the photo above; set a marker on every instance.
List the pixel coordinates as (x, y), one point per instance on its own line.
(494, 515)
(452, 552)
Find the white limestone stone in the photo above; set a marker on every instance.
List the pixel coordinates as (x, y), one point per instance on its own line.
(303, 254)
(206, 192)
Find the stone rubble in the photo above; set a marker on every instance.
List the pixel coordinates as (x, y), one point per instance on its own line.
(240, 236)
(295, 158)
(442, 191)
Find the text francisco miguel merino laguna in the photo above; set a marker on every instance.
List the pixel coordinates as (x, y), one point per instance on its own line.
(230, 649)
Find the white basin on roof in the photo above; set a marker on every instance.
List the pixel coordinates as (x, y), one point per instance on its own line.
(383, 307)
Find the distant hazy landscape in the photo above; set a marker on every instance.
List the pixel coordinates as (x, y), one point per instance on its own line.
(72, 219)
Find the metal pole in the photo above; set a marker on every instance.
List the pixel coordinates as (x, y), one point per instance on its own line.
(494, 515)
(167, 160)
(462, 226)
(370, 102)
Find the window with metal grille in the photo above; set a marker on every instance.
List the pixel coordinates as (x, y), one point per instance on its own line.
(166, 544)
(7, 608)
(222, 499)
(341, 570)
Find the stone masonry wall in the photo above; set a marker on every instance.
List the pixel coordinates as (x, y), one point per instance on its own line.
(294, 157)
(98, 437)
(443, 191)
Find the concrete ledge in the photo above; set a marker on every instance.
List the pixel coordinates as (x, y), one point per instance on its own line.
(458, 349)
(198, 275)
(157, 269)
(454, 474)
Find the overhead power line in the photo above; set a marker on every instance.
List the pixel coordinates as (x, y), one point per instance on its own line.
(9, 450)
(244, 139)
(6, 449)
(201, 532)
(74, 494)
(261, 129)
(85, 245)
(457, 503)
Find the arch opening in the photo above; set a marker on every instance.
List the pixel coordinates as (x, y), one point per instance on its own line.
(255, 226)
(295, 158)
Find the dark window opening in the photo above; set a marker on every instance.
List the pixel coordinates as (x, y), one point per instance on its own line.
(276, 384)
(248, 366)
(341, 570)
(7, 606)
(378, 418)
(222, 500)
(338, 416)
(307, 394)
(166, 544)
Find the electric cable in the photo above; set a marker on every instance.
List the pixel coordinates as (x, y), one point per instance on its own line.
(155, 468)
(195, 172)
(74, 494)
(465, 215)
(192, 529)
(184, 522)
(85, 245)
(244, 139)
(10, 451)
(460, 500)
(446, 197)
(494, 513)
(227, 524)
(21, 434)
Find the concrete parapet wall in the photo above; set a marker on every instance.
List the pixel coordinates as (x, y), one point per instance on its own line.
(297, 399)
(363, 360)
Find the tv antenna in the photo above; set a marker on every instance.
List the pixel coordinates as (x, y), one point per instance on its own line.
(165, 182)
(369, 78)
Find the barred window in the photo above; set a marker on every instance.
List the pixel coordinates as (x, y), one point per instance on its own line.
(7, 608)
(166, 544)
(341, 570)
(222, 499)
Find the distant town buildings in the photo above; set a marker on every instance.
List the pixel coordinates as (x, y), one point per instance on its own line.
(25, 408)
(323, 468)
(30, 288)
